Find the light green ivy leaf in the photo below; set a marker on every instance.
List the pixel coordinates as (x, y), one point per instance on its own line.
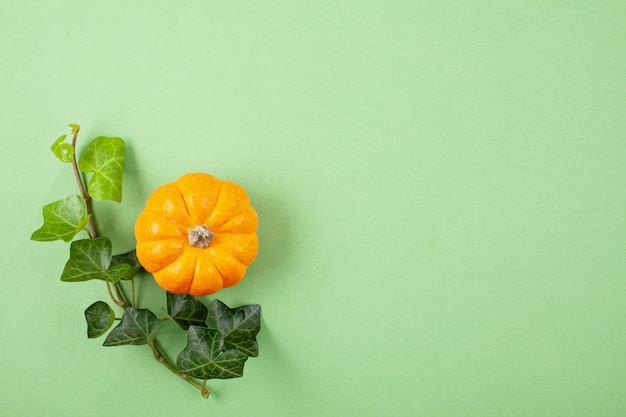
(63, 151)
(75, 128)
(104, 157)
(62, 220)
(91, 259)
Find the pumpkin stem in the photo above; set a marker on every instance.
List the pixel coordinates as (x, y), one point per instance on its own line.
(200, 236)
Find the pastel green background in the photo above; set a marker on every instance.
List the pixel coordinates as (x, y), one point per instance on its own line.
(441, 189)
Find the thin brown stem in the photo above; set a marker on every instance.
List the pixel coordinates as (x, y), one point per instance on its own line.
(82, 188)
(204, 392)
(133, 302)
(121, 300)
(201, 386)
(111, 293)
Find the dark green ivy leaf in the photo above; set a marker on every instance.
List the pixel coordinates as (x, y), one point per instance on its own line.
(63, 151)
(186, 310)
(130, 259)
(104, 157)
(91, 259)
(62, 219)
(239, 326)
(100, 318)
(138, 327)
(204, 357)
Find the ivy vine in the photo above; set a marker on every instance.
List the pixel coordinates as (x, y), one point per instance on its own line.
(219, 339)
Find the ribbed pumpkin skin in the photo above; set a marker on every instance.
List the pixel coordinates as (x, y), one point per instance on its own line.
(163, 244)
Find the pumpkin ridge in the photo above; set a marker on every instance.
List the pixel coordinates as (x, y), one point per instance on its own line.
(182, 226)
(235, 254)
(154, 271)
(185, 205)
(217, 199)
(223, 221)
(218, 264)
(200, 215)
(219, 273)
(193, 274)
(245, 227)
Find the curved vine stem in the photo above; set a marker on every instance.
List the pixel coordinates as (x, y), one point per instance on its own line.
(133, 302)
(111, 293)
(204, 392)
(93, 233)
(119, 300)
(81, 186)
(201, 386)
(114, 289)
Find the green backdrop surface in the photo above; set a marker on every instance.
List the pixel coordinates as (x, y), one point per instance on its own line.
(441, 189)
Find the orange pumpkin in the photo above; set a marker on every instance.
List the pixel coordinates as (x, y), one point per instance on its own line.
(197, 234)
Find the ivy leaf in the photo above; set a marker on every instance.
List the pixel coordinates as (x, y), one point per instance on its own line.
(204, 357)
(104, 157)
(138, 327)
(186, 310)
(239, 326)
(62, 219)
(63, 151)
(130, 259)
(100, 318)
(91, 259)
